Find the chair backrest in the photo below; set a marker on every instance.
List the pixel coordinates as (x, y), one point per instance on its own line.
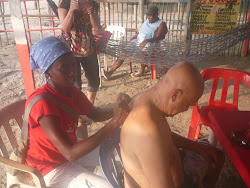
(226, 74)
(13, 111)
(117, 31)
(110, 160)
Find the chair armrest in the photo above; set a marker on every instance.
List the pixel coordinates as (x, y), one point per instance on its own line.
(37, 176)
(203, 112)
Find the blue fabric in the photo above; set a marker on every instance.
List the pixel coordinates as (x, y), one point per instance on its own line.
(46, 51)
(148, 30)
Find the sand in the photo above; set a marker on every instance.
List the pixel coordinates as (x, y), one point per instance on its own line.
(12, 90)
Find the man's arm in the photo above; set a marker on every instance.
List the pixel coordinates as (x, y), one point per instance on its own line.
(160, 35)
(209, 152)
(153, 155)
(134, 37)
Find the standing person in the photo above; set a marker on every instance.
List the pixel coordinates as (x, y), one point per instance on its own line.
(152, 30)
(78, 19)
(53, 148)
(149, 148)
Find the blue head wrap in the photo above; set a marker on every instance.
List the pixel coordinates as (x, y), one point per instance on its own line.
(46, 51)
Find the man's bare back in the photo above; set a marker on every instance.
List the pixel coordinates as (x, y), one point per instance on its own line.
(148, 147)
(142, 124)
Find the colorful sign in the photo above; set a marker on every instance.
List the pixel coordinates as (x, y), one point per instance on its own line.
(214, 16)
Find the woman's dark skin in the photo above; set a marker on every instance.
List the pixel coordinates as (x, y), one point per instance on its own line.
(61, 75)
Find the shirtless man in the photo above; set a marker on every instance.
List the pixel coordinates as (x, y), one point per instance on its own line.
(149, 148)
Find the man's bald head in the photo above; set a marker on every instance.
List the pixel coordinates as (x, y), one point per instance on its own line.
(185, 76)
(182, 86)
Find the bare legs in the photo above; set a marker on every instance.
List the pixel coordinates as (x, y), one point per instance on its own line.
(91, 96)
(115, 66)
(140, 72)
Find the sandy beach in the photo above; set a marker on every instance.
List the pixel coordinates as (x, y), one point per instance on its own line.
(12, 90)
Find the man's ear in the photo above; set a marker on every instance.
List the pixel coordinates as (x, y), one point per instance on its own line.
(176, 94)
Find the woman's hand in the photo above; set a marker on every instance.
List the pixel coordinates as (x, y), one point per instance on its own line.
(89, 5)
(73, 5)
(121, 109)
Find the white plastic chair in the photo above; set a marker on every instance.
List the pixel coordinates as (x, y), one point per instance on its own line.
(117, 33)
(8, 142)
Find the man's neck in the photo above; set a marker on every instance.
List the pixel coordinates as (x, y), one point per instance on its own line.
(153, 98)
(155, 20)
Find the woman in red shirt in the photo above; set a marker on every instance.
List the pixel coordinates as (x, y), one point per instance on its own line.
(53, 147)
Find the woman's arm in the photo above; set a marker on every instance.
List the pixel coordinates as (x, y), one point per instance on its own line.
(98, 114)
(92, 9)
(61, 140)
(210, 153)
(66, 17)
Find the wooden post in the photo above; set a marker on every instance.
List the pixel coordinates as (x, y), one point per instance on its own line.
(135, 14)
(182, 16)
(39, 19)
(246, 42)
(141, 14)
(109, 13)
(22, 45)
(122, 15)
(187, 29)
(35, 5)
(4, 26)
(104, 12)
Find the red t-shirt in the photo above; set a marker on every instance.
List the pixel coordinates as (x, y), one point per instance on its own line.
(42, 154)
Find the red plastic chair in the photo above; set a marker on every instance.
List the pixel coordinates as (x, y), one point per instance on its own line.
(199, 115)
(152, 68)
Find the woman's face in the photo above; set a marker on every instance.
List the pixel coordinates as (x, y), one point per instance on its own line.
(62, 71)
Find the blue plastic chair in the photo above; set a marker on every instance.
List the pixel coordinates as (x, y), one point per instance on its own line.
(111, 161)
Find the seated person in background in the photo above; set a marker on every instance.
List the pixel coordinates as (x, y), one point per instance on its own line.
(53, 147)
(152, 30)
(148, 147)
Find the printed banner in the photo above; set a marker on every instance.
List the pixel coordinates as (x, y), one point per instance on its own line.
(214, 16)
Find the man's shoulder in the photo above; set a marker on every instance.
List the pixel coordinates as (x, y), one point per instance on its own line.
(142, 120)
(162, 23)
